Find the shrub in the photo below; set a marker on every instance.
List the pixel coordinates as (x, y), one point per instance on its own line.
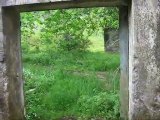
(103, 105)
(72, 42)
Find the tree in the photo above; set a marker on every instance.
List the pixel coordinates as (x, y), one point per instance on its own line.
(67, 29)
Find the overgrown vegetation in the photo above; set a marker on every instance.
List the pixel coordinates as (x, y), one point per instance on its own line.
(65, 29)
(65, 76)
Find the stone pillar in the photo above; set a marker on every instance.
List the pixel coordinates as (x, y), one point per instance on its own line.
(124, 52)
(11, 84)
(3, 78)
(111, 40)
(144, 60)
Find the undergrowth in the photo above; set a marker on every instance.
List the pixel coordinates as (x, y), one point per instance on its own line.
(84, 85)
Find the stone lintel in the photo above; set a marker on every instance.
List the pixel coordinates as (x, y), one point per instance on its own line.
(33, 5)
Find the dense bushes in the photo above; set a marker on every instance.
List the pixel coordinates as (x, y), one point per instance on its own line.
(68, 84)
(65, 29)
(103, 105)
(63, 76)
(72, 42)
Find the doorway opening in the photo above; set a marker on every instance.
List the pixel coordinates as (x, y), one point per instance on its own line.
(68, 74)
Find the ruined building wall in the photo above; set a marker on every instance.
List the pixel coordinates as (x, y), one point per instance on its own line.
(22, 2)
(144, 76)
(11, 83)
(3, 78)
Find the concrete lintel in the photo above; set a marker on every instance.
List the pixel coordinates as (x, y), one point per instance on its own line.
(30, 5)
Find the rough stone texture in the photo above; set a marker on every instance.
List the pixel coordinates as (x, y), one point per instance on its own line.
(22, 2)
(111, 40)
(37, 5)
(144, 61)
(11, 84)
(3, 77)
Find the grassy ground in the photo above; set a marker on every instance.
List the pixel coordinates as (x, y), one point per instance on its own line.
(97, 43)
(77, 85)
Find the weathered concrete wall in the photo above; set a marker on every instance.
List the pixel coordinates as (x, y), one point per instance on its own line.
(11, 84)
(111, 40)
(144, 64)
(37, 5)
(22, 2)
(3, 78)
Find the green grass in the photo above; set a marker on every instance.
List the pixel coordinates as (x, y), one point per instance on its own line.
(97, 42)
(84, 85)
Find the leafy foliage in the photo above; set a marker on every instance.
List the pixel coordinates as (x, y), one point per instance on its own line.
(66, 29)
(103, 105)
(66, 85)
(64, 77)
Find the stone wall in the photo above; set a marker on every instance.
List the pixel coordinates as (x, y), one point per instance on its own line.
(11, 83)
(3, 77)
(25, 2)
(144, 61)
(111, 40)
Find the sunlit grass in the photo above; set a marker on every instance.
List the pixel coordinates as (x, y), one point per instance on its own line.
(83, 85)
(97, 42)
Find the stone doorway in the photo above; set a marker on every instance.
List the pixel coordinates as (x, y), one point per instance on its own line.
(11, 89)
